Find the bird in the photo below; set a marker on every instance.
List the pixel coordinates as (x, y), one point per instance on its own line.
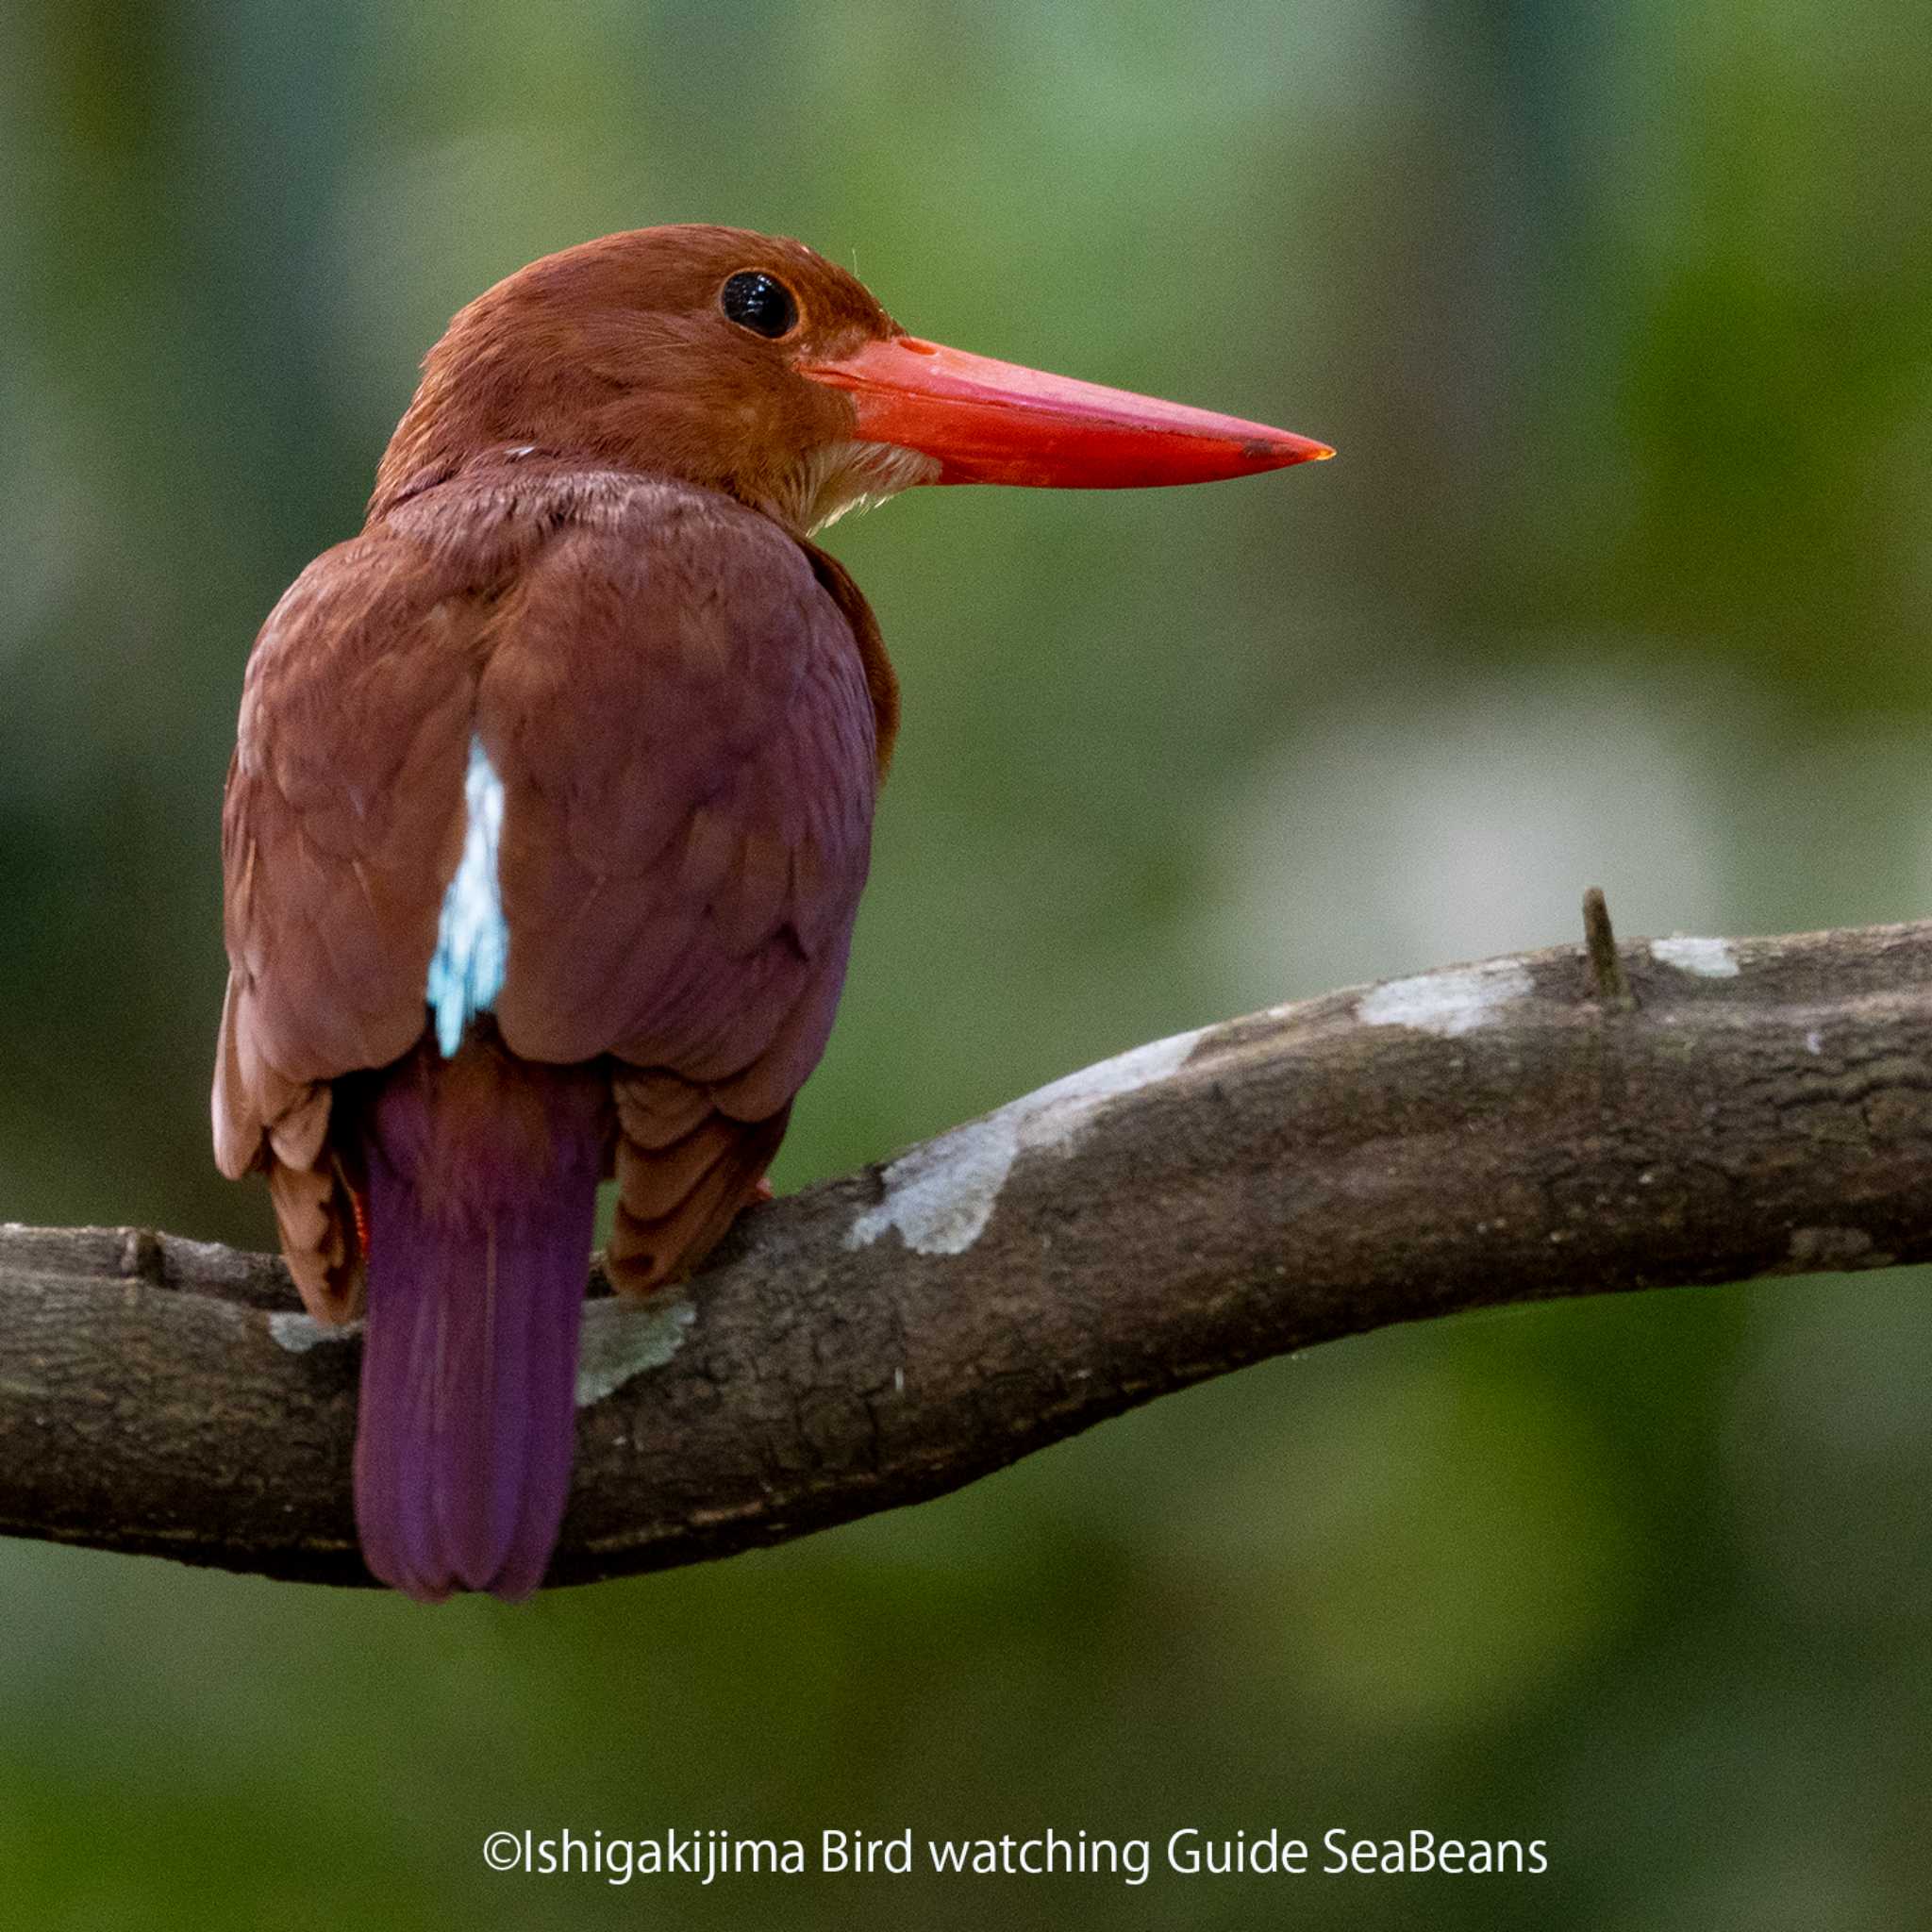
(549, 812)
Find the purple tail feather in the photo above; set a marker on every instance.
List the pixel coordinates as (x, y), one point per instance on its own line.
(467, 1421)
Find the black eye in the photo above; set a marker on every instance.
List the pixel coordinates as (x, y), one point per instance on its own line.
(753, 300)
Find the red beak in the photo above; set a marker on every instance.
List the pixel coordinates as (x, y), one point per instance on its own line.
(990, 422)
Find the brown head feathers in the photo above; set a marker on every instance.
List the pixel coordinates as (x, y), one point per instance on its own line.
(623, 352)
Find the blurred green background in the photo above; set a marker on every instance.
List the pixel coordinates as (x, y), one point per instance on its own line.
(1619, 318)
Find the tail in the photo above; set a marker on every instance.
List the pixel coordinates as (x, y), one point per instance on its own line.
(481, 1197)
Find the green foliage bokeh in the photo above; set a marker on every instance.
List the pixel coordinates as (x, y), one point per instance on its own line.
(1618, 317)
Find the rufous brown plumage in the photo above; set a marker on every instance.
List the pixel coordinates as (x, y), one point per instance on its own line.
(550, 811)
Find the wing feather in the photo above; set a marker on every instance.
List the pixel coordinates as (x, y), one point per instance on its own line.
(690, 765)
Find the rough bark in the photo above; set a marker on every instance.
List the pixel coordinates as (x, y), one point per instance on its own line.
(1577, 1120)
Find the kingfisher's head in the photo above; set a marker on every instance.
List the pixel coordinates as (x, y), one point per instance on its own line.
(748, 364)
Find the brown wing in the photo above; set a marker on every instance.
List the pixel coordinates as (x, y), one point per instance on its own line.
(682, 721)
(680, 713)
(341, 828)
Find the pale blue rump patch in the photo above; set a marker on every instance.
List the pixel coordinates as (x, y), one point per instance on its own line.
(472, 937)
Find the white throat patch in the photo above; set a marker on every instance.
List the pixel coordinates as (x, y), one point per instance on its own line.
(841, 476)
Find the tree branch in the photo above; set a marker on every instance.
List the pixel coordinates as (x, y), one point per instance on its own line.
(1577, 1120)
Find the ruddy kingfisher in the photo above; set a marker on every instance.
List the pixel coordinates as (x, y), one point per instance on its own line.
(549, 813)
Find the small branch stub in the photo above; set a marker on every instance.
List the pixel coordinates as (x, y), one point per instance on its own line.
(1608, 985)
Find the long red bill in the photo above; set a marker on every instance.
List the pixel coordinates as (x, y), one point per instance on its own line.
(989, 421)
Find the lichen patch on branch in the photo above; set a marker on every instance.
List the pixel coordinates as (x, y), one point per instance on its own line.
(1451, 1002)
(622, 1340)
(299, 1333)
(940, 1196)
(1707, 959)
